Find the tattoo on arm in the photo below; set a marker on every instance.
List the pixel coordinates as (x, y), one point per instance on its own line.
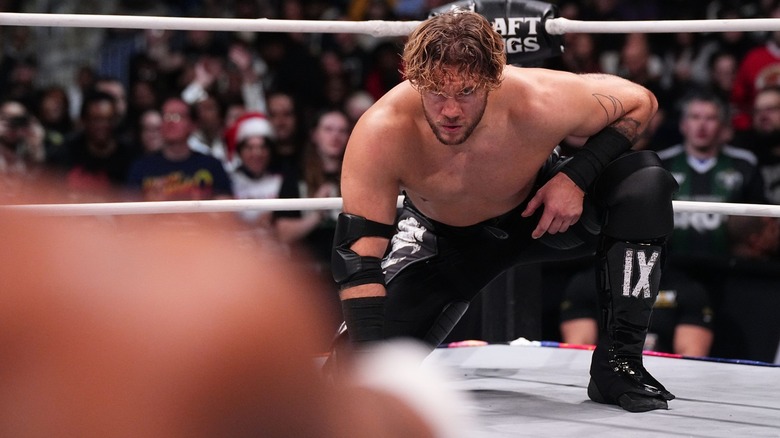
(612, 106)
(613, 109)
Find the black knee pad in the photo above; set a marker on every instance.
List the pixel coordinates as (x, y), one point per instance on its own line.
(636, 192)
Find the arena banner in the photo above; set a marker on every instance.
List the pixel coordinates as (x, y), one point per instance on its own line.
(521, 23)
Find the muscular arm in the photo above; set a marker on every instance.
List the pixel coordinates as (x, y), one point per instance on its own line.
(591, 104)
(611, 101)
(370, 187)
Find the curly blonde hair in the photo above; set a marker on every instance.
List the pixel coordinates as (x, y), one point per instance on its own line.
(461, 39)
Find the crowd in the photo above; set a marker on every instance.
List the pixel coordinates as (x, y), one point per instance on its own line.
(118, 114)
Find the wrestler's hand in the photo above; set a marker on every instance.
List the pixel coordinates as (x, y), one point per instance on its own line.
(562, 201)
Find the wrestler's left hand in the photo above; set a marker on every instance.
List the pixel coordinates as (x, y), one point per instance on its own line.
(562, 201)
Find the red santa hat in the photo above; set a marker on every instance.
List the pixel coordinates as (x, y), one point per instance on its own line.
(252, 124)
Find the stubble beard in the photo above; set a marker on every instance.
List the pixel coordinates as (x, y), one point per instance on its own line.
(466, 134)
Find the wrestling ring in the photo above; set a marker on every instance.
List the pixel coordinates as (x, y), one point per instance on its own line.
(525, 388)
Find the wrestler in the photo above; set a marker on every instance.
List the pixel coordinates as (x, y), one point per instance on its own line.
(472, 143)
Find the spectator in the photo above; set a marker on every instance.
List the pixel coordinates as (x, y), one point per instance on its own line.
(18, 50)
(53, 113)
(336, 87)
(681, 322)
(150, 131)
(21, 137)
(234, 76)
(204, 46)
(580, 55)
(252, 180)
(678, 58)
(639, 64)
(207, 138)
(117, 90)
(708, 169)
(760, 68)
(734, 43)
(764, 139)
(201, 75)
(385, 70)
(123, 125)
(21, 82)
(83, 82)
(722, 68)
(355, 57)
(177, 172)
(292, 69)
(144, 96)
(21, 149)
(320, 179)
(161, 61)
(245, 77)
(97, 159)
(287, 121)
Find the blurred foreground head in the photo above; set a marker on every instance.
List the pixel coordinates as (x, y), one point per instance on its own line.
(156, 326)
(132, 327)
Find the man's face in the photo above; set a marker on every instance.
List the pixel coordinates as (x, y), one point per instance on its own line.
(177, 124)
(454, 109)
(766, 112)
(116, 89)
(208, 114)
(701, 125)
(14, 117)
(281, 114)
(99, 122)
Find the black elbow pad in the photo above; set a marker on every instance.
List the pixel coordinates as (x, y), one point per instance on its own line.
(350, 268)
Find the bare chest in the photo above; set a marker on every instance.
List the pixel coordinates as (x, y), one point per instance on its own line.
(466, 185)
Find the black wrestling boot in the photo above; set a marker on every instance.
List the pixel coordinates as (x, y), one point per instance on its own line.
(630, 276)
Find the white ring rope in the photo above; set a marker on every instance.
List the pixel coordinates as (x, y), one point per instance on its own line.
(371, 27)
(559, 26)
(234, 205)
(166, 207)
(554, 26)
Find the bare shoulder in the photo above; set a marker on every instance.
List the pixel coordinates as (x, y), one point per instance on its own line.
(538, 80)
(537, 93)
(375, 155)
(387, 126)
(580, 103)
(543, 80)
